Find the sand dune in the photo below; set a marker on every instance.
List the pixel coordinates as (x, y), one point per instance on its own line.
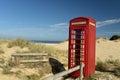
(61, 46)
(104, 48)
(107, 49)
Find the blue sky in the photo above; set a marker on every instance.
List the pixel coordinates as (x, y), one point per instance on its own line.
(49, 19)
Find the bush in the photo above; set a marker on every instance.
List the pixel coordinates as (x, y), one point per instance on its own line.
(115, 37)
(19, 42)
(102, 66)
(117, 71)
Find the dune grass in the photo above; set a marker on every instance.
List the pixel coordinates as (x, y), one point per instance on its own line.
(44, 68)
(34, 48)
(18, 42)
(110, 65)
(102, 66)
(52, 52)
(1, 51)
(6, 69)
(2, 41)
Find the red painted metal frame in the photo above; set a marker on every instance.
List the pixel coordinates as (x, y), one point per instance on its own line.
(86, 29)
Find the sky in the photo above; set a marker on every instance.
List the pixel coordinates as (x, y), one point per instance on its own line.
(49, 19)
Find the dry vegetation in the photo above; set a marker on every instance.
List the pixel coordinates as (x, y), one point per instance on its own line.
(29, 71)
(10, 70)
(112, 66)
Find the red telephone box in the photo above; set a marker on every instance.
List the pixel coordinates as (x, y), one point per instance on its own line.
(82, 36)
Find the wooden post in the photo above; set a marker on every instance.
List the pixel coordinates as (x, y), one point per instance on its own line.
(81, 71)
(67, 72)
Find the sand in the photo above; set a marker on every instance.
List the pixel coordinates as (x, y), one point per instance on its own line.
(105, 49)
(61, 46)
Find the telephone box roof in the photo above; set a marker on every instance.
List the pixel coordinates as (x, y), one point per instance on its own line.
(83, 17)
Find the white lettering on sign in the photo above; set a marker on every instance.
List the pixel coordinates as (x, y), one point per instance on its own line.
(91, 23)
(76, 23)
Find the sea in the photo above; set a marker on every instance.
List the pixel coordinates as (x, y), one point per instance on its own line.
(44, 41)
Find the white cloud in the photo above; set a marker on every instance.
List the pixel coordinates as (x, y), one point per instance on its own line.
(59, 25)
(107, 22)
(99, 24)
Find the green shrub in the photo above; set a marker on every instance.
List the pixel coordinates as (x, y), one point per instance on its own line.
(19, 42)
(115, 37)
(117, 71)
